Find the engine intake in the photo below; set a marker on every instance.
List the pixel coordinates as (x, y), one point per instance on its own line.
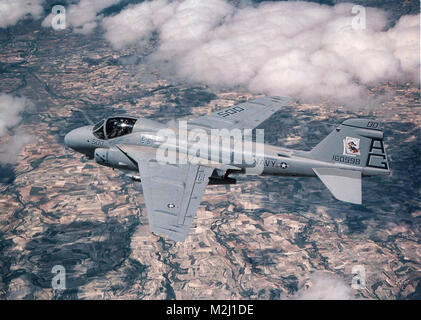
(114, 158)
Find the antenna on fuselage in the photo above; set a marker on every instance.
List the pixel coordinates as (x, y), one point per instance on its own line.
(84, 115)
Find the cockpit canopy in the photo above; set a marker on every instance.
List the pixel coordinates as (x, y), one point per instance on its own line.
(114, 127)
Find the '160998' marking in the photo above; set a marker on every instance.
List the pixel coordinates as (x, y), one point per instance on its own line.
(344, 159)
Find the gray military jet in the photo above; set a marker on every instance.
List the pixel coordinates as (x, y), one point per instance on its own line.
(173, 190)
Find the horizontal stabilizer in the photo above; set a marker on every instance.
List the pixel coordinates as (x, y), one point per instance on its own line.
(345, 185)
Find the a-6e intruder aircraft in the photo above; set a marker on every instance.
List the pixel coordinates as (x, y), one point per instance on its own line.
(173, 191)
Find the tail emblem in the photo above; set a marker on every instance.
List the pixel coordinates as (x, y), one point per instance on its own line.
(351, 146)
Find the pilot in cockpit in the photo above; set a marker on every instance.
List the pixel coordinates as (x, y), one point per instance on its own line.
(114, 127)
(117, 127)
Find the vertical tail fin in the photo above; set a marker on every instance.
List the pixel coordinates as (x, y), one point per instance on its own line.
(357, 143)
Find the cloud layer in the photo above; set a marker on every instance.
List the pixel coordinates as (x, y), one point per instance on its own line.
(11, 11)
(10, 116)
(302, 49)
(325, 287)
(305, 50)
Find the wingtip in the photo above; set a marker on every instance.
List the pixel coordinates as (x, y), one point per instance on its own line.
(282, 99)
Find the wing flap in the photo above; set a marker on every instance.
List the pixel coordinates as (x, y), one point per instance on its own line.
(345, 185)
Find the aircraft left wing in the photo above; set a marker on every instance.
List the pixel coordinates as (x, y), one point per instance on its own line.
(172, 192)
(246, 115)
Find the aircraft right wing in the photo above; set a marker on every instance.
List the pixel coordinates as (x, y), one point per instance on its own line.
(246, 115)
(172, 192)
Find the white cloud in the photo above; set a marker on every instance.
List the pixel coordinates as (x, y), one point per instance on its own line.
(83, 17)
(324, 286)
(10, 151)
(10, 116)
(302, 49)
(11, 11)
(136, 22)
(10, 109)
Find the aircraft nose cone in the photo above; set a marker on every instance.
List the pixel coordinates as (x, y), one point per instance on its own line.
(72, 139)
(79, 140)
